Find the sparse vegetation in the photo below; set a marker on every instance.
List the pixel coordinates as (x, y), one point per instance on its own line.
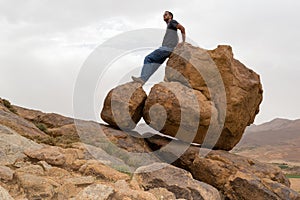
(8, 105)
(64, 141)
(282, 165)
(122, 168)
(292, 175)
(42, 127)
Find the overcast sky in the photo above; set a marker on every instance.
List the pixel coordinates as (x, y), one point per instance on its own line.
(43, 44)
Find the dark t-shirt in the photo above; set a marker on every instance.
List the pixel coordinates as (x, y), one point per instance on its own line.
(171, 36)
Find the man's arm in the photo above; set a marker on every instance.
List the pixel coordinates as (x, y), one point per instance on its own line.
(182, 29)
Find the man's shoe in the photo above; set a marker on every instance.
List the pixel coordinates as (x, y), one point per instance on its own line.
(137, 79)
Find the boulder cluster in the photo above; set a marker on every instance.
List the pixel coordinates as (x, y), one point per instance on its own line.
(207, 97)
(49, 156)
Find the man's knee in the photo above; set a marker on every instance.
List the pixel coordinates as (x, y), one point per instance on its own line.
(147, 59)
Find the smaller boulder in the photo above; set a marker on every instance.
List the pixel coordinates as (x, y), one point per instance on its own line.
(123, 106)
(175, 180)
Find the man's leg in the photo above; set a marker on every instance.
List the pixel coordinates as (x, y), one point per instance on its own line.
(152, 62)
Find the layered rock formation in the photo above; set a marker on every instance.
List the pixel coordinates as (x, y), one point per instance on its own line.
(71, 169)
(236, 177)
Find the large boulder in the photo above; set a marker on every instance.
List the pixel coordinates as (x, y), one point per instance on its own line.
(236, 177)
(123, 105)
(240, 177)
(221, 79)
(179, 111)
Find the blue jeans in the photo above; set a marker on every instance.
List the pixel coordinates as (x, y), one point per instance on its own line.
(154, 60)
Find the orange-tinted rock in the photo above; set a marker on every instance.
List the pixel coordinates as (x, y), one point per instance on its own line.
(123, 106)
(179, 111)
(199, 69)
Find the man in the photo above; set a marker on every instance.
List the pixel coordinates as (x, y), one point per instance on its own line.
(157, 57)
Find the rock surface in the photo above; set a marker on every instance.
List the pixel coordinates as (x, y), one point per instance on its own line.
(95, 192)
(123, 106)
(200, 69)
(236, 177)
(179, 111)
(175, 180)
(20, 125)
(50, 120)
(29, 170)
(13, 145)
(4, 195)
(240, 177)
(6, 174)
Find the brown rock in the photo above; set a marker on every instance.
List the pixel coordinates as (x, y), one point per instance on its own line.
(162, 193)
(242, 86)
(123, 106)
(12, 146)
(32, 169)
(237, 177)
(78, 181)
(4, 195)
(20, 125)
(6, 174)
(179, 111)
(175, 180)
(56, 155)
(95, 168)
(131, 142)
(58, 174)
(50, 120)
(124, 151)
(69, 130)
(51, 155)
(36, 187)
(67, 191)
(95, 192)
(44, 165)
(124, 191)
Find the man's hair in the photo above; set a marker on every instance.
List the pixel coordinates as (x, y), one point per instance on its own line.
(170, 14)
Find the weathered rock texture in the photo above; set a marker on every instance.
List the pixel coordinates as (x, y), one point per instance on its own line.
(194, 67)
(78, 170)
(123, 106)
(177, 181)
(179, 111)
(236, 177)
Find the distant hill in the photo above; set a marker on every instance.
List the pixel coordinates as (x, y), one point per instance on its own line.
(274, 141)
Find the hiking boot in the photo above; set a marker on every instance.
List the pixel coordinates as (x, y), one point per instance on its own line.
(138, 80)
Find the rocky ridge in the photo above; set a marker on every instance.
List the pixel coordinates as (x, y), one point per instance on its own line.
(35, 168)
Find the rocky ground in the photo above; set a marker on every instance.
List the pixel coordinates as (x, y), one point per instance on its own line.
(42, 157)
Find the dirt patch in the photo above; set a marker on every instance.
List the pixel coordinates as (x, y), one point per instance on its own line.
(295, 184)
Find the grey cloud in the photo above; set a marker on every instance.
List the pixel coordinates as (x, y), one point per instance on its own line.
(42, 41)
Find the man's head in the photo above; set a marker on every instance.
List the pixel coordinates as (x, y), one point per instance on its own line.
(168, 16)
